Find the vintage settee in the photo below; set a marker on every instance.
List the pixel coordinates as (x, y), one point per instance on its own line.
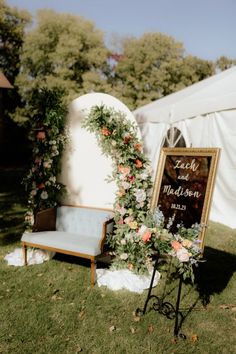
(78, 231)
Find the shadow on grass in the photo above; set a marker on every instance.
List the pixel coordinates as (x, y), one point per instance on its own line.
(12, 205)
(213, 276)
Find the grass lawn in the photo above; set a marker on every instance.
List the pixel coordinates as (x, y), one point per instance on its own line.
(50, 308)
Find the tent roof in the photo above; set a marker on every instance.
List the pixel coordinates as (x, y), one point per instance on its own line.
(213, 94)
(4, 83)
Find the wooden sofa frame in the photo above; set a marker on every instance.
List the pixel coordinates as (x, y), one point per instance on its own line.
(46, 221)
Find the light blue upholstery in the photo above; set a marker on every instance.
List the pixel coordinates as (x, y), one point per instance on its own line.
(78, 229)
(64, 241)
(83, 221)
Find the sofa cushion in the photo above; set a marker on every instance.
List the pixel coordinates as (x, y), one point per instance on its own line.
(82, 221)
(65, 241)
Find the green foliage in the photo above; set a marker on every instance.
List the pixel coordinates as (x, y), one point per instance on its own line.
(63, 51)
(131, 172)
(47, 134)
(13, 23)
(154, 66)
(224, 63)
(139, 234)
(12, 29)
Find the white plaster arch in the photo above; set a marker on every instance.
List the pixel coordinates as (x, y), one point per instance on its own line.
(84, 167)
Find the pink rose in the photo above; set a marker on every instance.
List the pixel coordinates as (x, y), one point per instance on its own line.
(182, 255)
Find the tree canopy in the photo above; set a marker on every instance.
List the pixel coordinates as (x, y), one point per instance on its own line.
(64, 51)
(13, 23)
(153, 66)
(68, 52)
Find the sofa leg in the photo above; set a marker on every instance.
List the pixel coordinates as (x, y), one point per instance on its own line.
(93, 272)
(24, 249)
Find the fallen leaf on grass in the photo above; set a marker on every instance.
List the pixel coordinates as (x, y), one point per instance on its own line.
(194, 338)
(112, 329)
(133, 330)
(136, 318)
(78, 349)
(55, 297)
(81, 314)
(224, 307)
(39, 274)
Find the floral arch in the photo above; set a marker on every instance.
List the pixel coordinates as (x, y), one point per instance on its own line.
(139, 233)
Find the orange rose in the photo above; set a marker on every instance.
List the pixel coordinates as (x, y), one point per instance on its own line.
(127, 139)
(41, 186)
(138, 163)
(105, 131)
(176, 245)
(138, 147)
(130, 266)
(41, 135)
(125, 170)
(121, 193)
(146, 236)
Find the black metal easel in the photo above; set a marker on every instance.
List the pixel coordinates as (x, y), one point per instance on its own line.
(164, 307)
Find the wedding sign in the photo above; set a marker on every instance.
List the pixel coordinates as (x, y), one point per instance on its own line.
(184, 184)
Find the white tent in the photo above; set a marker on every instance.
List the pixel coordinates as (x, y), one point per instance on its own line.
(205, 114)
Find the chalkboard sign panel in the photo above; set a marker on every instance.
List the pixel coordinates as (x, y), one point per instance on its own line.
(184, 184)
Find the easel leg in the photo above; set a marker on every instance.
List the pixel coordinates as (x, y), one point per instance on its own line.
(149, 290)
(176, 328)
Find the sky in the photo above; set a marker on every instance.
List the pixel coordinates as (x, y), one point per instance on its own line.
(207, 28)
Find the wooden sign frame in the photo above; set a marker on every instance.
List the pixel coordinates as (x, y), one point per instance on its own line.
(183, 186)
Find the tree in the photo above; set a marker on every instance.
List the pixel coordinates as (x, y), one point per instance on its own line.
(224, 63)
(13, 23)
(154, 66)
(62, 51)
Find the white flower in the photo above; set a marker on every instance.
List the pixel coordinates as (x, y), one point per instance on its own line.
(123, 241)
(47, 164)
(140, 195)
(126, 185)
(142, 229)
(182, 255)
(29, 218)
(44, 195)
(113, 143)
(52, 179)
(120, 209)
(144, 175)
(124, 256)
(33, 192)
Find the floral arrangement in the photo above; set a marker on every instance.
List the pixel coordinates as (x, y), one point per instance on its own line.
(184, 245)
(139, 233)
(48, 139)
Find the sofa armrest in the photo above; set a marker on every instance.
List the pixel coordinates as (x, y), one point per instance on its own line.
(107, 228)
(45, 220)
